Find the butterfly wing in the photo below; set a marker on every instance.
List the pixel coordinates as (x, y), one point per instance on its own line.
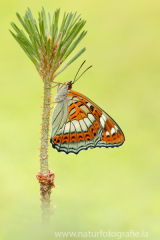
(79, 124)
(112, 135)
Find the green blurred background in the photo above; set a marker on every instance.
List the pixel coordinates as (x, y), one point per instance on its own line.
(110, 189)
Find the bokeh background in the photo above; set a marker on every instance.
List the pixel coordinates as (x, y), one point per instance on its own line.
(111, 189)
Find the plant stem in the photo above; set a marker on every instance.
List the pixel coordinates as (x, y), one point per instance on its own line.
(46, 183)
(45, 129)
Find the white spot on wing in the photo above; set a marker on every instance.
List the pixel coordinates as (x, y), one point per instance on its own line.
(107, 133)
(72, 129)
(91, 117)
(89, 104)
(67, 128)
(83, 126)
(104, 117)
(77, 126)
(102, 122)
(116, 128)
(88, 122)
(113, 131)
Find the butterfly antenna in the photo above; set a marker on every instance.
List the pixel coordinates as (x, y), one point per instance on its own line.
(78, 71)
(82, 74)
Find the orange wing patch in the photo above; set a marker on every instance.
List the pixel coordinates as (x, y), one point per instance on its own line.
(111, 134)
(76, 113)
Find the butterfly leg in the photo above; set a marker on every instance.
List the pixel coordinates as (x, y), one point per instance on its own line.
(55, 85)
(49, 103)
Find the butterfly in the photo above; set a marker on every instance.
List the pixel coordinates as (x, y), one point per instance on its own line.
(79, 124)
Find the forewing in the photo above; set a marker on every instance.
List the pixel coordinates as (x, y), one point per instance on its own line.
(112, 135)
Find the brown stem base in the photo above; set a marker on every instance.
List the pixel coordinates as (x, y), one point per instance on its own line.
(46, 184)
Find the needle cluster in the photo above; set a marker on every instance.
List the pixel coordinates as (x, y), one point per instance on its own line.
(45, 43)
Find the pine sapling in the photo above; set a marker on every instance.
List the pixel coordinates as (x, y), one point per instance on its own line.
(48, 46)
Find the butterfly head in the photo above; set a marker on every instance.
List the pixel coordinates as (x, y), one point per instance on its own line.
(63, 91)
(69, 84)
